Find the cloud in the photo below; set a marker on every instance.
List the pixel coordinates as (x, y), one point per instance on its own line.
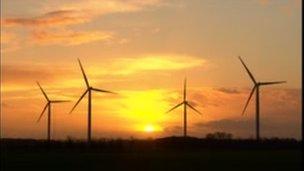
(97, 7)
(280, 112)
(69, 38)
(20, 75)
(287, 101)
(53, 25)
(9, 41)
(79, 12)
(54, 18)
(23, 75)
(228, 90)
(158, 62)
(226, 124)
(161, 62)
(205, 99)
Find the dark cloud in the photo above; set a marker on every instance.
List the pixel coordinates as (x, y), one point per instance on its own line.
(287, 95)
(226, 124)
(228, 90)
(199, 99)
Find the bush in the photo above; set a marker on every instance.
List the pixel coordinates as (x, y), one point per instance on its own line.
(219, 135)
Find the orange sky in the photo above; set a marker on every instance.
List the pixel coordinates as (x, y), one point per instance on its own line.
(143, 50)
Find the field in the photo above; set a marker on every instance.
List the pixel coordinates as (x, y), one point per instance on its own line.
(172, 153)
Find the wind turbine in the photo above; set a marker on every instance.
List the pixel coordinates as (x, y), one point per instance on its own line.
(256, 88)
(89, 91)
(48, 106)
(186, 104)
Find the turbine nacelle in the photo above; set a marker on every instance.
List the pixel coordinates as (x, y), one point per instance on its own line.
(187, 104)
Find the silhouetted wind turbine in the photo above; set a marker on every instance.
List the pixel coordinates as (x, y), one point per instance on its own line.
(89, 91)
(48, 106)
(256, 88)
(186, 104)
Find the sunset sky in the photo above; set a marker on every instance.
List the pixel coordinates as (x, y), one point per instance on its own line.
(143, 50)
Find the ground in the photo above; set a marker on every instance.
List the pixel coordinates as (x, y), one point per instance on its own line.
(144, 155)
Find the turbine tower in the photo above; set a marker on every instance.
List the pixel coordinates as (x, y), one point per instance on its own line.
(89, 91)
(49, 107)
(186, 104)
(256, 88)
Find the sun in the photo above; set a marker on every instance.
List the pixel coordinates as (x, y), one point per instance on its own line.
(145, 109)
(149, 128)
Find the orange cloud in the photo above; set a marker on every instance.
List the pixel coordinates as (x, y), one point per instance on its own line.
(69, 38)
(54, 18)
(9, 41)
(98, 7)
(23, 77)
(80, 12)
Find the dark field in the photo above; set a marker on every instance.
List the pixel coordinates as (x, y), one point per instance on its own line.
(162, 154)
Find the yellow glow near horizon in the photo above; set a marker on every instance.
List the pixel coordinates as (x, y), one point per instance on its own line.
(146, 109)
(151, 128)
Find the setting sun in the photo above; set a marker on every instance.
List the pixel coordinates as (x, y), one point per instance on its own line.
(149, 128)
(144, 108)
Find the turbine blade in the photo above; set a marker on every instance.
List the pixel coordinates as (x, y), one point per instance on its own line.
(274, 82)
(103, 91)
(59, 101)
(83, 73)
(43, 92)
(194, 108)
(185, 88)
(175, 107)
(43, 112)
(249, 73)
(251, 93)
(79, 100)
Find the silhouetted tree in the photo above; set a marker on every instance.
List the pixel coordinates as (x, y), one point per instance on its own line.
(219, 135)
